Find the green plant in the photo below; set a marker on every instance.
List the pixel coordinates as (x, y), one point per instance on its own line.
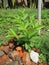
(45, 46)
(14, 15)
(27, 28)
(42, 43)
(42, 57)
(22, 23)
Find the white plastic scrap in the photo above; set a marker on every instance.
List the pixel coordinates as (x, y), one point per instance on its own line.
(34, 56)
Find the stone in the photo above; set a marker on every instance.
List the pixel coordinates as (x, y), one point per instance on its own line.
(40, 61)
(1, 47)
(13, 63)
(6, 49)
(26, 59)
(4, 60)
(33, 63)
(19, 51)
(15, 53)
(11, 56)
(17, 58)
(16, 63)
(46, 63)
(34, 56)
(41, 64)
(11, 45)
(1, 53)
